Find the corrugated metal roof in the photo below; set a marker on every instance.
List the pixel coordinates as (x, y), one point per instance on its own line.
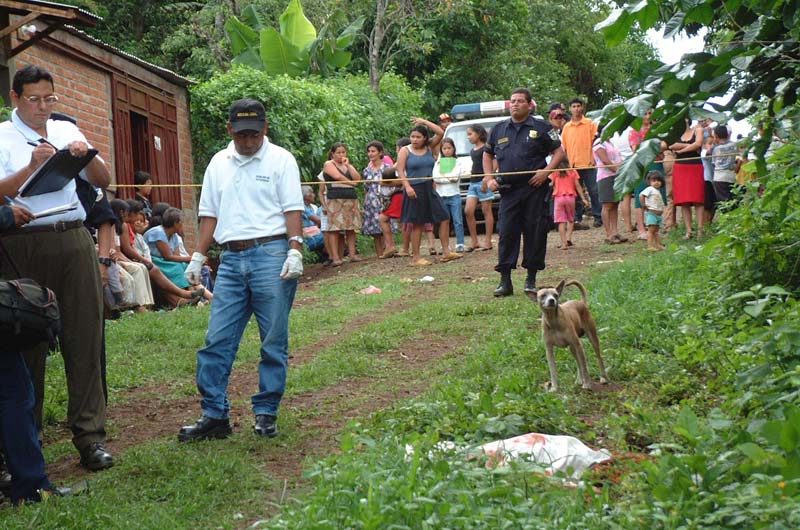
(162, 72)
(158, 70)
(61, 6)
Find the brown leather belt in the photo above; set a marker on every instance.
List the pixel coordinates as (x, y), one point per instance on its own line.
(61, 226)
(244, 244)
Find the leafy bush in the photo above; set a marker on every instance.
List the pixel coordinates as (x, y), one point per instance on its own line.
(306, 116)
(760, 240)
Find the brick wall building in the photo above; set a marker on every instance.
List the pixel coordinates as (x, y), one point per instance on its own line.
(134, 112)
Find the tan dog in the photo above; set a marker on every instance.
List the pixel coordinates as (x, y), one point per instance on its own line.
(564, 325)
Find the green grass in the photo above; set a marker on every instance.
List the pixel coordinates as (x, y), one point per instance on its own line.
(662, 321)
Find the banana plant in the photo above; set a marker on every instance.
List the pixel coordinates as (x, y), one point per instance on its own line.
(296, 50)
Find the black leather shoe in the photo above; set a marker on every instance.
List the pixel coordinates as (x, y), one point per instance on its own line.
(204, 429)
(95, 457)
(579, 226)
(598, 224)
(505, 288)
(266, 425)
(44, 495)
(530, 284)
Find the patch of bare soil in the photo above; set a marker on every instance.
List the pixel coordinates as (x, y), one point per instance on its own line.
(145, 418)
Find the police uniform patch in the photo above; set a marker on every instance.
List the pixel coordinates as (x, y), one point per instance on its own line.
(553, 134)
(502, 140)
(533, 134)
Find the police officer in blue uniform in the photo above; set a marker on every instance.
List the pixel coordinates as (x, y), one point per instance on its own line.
(18, 435)
(521, 145)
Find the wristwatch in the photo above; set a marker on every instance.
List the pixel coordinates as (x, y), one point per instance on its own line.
(298, 239)
(105, 261)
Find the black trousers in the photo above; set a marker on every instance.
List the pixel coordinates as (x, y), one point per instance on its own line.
(523, 212)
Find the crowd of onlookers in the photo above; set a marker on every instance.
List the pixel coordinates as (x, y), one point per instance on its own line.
(695, 174)
(146, 255)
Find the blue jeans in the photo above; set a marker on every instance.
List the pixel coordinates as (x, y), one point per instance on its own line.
(18, 430)
(453, 206)
(589, 179)
(248, 282)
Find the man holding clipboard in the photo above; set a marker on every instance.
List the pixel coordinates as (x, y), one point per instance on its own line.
(56, 251)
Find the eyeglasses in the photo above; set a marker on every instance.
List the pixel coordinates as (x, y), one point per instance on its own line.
(35, 100)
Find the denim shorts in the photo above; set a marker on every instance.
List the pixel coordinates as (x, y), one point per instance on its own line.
(475, 191)
(651, 219)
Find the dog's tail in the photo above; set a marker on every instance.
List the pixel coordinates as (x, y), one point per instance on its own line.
(580, 287)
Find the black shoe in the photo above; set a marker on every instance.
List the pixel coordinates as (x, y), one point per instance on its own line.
(266, 425)
(530, 284)
(5, 477)
(505, 288)
(598, 223)
(205, 428)
(577, 225)
(95, 457)
(44, 494)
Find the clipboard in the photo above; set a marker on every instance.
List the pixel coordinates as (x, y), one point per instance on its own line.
(56, 172)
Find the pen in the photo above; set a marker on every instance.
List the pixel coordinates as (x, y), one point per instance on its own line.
(41, 141)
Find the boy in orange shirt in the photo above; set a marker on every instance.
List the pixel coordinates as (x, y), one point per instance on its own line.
(566, 185)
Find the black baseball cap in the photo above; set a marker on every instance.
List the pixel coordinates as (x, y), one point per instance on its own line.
(247, 115)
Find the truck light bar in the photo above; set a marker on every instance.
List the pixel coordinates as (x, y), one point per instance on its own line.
(480, 110)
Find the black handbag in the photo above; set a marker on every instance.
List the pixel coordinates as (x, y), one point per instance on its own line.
(29, 313)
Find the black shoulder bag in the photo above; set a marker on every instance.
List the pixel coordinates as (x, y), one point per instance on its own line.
(29, 312)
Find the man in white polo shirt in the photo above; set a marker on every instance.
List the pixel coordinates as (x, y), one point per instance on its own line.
(251, 205)
(59, 253)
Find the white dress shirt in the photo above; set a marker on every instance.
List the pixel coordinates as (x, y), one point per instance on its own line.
(15, 154)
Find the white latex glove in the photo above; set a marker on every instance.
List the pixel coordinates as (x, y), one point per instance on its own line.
(293, 266)
(192, 272)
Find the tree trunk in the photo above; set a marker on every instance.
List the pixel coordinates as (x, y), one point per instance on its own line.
(375, 42)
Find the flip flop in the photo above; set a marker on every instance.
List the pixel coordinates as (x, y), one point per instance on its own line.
(388, 254)
(420, 263)
(451, 257)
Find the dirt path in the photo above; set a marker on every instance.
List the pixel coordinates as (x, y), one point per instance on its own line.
(145, 416)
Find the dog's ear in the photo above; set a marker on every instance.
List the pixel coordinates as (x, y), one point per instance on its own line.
(534, 298)
(560, 286)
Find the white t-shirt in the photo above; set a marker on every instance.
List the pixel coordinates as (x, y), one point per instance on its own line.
(653, 199)
(15, 154)
(447, 185)
(248, 195)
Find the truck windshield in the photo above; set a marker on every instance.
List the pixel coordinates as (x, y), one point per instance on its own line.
(458, 132)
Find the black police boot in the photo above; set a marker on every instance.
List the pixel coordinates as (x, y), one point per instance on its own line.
(266, 425)
(204, 429)
(505, 288)
(530, 283)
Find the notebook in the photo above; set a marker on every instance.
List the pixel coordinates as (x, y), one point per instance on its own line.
(56, 172)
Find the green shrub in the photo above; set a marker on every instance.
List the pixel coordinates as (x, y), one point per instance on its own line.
(306, 116)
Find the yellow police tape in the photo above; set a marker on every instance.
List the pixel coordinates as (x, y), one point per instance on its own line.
(319, 182)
